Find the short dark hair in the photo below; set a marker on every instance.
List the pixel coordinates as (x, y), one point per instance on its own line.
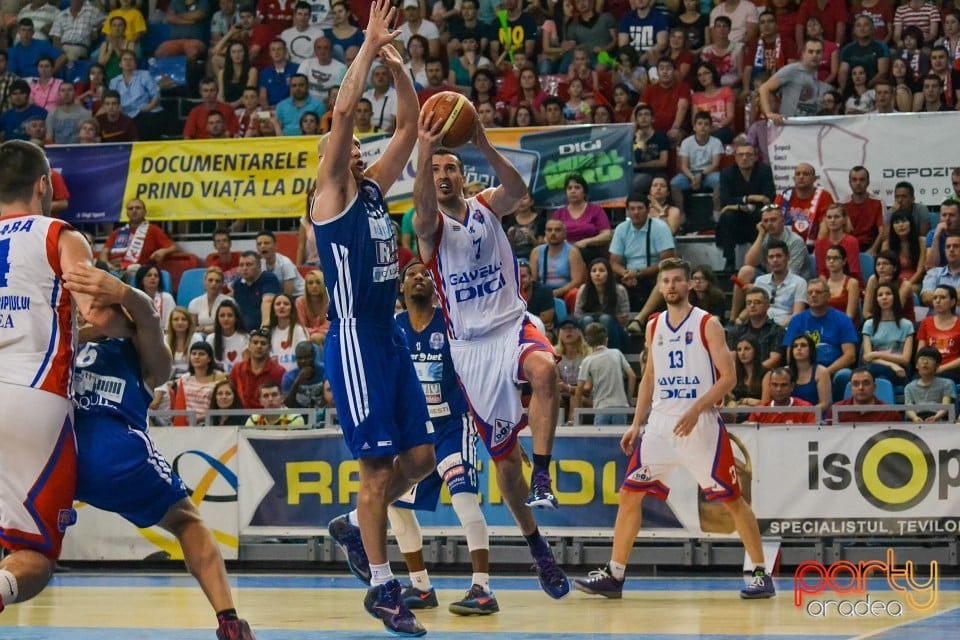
(638, 196)
(778, 244)
(444, 151)
(266, 233)
(272, 384)
(22, 163)
(903, 184)
(595, 334)
(929, 352)
(110, 93)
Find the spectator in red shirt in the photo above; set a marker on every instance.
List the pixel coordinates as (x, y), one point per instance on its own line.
(863, 391)
(866, 213)
(670, 100)
(196, 125)
(223, 258)
(137, 242)
(276, 14)
(833, 15)
(115, 126)
(248, 376)
(780, 387)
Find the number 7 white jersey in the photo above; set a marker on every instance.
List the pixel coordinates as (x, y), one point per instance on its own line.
(476, 273)
(682, 367)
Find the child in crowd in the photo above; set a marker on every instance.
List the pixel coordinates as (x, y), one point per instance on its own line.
(601, 376)
(928, 388)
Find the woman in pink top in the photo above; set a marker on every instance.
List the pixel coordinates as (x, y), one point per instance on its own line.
(588, 227)
(714, 99)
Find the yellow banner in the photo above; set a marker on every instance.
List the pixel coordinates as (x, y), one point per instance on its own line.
(223, 180)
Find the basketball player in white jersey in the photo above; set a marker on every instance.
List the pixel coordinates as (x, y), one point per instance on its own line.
(493, 345)
(689, 370)
(38, 460)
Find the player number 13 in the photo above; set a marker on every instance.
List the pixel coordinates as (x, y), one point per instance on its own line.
(676, 359)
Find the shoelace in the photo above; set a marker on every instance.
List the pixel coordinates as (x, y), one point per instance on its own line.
(598, 574)
(549, 570)
(757, 580)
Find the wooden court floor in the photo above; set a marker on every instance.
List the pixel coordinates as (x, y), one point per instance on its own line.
(104, 606)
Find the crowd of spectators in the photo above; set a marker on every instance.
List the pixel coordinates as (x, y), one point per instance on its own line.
(696, 81)
(522, 62)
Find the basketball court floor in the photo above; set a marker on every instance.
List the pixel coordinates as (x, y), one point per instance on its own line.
(99, 606)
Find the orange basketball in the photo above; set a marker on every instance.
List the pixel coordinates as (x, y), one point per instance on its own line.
(458, 115)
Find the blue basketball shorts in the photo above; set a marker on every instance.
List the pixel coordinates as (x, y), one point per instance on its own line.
(120, 470)
(456, 465)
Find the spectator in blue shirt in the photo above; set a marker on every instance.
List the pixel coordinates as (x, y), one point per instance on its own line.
(302, 387)
(23, 56)
(188, 30)
(831, 330)
(139, 94)
(300, 102)
(21, 111)
(275, 79)
(254, 291)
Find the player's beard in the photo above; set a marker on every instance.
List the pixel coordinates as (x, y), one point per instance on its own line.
(673, 297)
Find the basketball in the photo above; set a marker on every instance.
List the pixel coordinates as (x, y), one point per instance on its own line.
(458, 115)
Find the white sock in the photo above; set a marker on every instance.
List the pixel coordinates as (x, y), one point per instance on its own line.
(420, 580)
(380, 574)
(617, 570)
(482, 579)
(352, 518)
(8, 587)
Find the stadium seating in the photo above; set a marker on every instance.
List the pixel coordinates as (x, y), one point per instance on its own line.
(191, 286)
(176, 264)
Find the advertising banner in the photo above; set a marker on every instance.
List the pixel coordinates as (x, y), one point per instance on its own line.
(294, 483)
(206, 460)
(868, 480)
(893, 147)
(271, 177)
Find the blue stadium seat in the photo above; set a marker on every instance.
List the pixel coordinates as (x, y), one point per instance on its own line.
(191, 286)
(884, 391)
(866, 265)
(559, 311)
(166, 281)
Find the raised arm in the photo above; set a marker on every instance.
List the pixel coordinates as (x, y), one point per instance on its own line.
(426, 216)
(155, 358)
(334, 176)
(108, 319)
(504, 198)
(395, 157)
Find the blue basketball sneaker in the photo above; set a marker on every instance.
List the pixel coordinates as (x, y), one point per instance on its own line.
(477, 602)
(416, 599)
(552, 578)
(760, 587)
(348, 537)
(541, 491)
(386, 603)
(600, 583)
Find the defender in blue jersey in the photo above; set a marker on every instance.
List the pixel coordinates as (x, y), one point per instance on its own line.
(379, 401)
(456, 449)
(118, 468)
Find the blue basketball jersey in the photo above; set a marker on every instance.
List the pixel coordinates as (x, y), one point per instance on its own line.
(358, 254)
(430, 351)
(108, 383)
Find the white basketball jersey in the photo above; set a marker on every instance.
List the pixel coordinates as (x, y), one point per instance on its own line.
(477, 275)
(36, 317)
(682, 367)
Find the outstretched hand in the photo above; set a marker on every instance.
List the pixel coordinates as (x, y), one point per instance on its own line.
(378, 32)
(430, 130)
(391, 57)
